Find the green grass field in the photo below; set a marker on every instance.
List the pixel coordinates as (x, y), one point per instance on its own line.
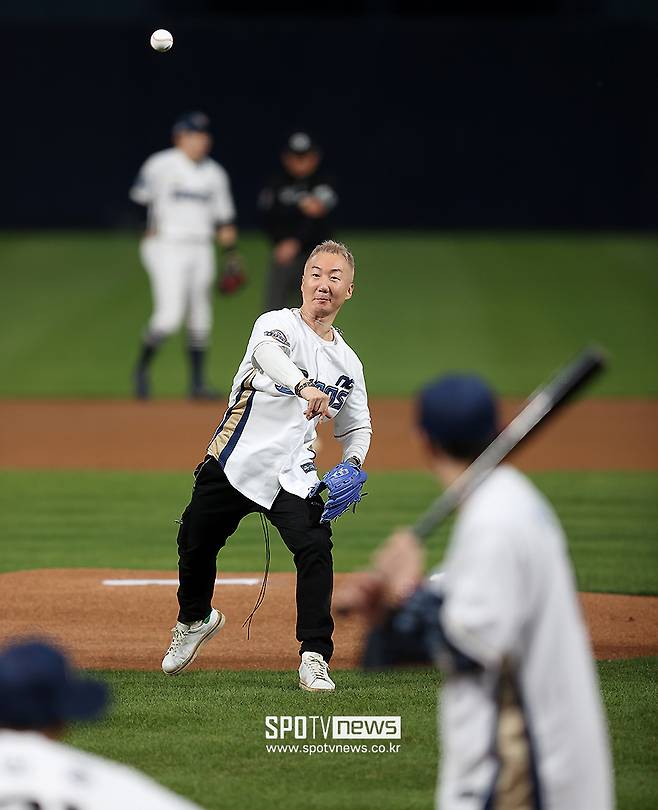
(166, 727)
(203, 735)
(512, 307)
(114, 519)
(515, 307)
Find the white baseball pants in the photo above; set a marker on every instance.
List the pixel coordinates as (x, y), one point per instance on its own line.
(181, 275)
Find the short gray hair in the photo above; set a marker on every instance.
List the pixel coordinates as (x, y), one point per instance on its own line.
(337, 248)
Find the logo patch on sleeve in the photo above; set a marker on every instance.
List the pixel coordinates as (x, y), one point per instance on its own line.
(308, 467)
(277, 334)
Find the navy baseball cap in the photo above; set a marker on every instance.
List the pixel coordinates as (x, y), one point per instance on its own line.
(459, 413)
(192, 122)
(300, 143)
(40, 689)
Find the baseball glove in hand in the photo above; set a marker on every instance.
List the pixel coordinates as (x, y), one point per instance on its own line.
(232, 277)
(344, 483)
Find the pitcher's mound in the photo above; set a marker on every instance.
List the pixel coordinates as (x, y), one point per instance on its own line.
(126, 624)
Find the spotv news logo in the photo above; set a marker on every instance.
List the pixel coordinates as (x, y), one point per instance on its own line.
(335, 727)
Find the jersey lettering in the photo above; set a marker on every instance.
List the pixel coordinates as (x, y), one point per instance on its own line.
(184, 194)
(337, 396)
(339, 401)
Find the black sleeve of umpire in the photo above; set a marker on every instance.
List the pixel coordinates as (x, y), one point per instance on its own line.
(277, 220)
(413, 635)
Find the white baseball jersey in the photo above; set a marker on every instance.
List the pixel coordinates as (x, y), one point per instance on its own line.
(264, 442)
(187, 200)
(529, 727)
(38, 772)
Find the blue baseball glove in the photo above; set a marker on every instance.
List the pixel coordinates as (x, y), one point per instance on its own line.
(344, 483)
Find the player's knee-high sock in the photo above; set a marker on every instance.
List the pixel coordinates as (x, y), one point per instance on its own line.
(147, 352)
(197, 343)
(198, 387)
(197, 362)
(150, 346)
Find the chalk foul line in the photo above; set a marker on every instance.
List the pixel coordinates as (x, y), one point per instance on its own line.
(139, 582)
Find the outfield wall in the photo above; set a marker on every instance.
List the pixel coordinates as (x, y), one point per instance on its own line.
(425, 123)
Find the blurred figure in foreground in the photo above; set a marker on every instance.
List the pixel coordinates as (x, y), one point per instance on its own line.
(40, 695)
(190, 204)
(522, 723)
(296, 206)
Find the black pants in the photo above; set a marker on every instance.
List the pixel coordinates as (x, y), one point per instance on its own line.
(212, 516)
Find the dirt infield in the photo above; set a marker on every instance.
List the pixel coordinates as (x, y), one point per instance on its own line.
(127, 627)
(611, 434)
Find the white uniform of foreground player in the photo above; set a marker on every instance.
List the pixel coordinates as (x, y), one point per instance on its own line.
(189, 202)
(40, 695)
(522, 725)
(36, 772)
(532, 716)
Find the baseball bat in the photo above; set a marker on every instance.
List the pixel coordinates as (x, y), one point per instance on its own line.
(545, 402)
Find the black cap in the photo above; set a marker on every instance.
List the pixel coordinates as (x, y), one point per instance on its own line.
(192, 122)
(300, 143)
(39, 689)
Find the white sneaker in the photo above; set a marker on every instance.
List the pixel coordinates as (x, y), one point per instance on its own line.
(186, 640)
(314, 673)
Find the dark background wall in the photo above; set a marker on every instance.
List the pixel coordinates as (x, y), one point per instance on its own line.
(426, 121)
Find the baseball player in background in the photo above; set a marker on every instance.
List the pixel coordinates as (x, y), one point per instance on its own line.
(39, 696)
(296, 207)
(297, 369)
(521, 718)
(189, 205)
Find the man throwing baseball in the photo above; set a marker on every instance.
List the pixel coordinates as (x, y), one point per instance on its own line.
(297, 370)
(189, 203)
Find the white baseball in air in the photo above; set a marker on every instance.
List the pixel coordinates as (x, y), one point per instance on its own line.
(161, 40)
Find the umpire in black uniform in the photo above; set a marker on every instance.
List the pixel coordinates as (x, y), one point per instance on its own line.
(296, 206)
